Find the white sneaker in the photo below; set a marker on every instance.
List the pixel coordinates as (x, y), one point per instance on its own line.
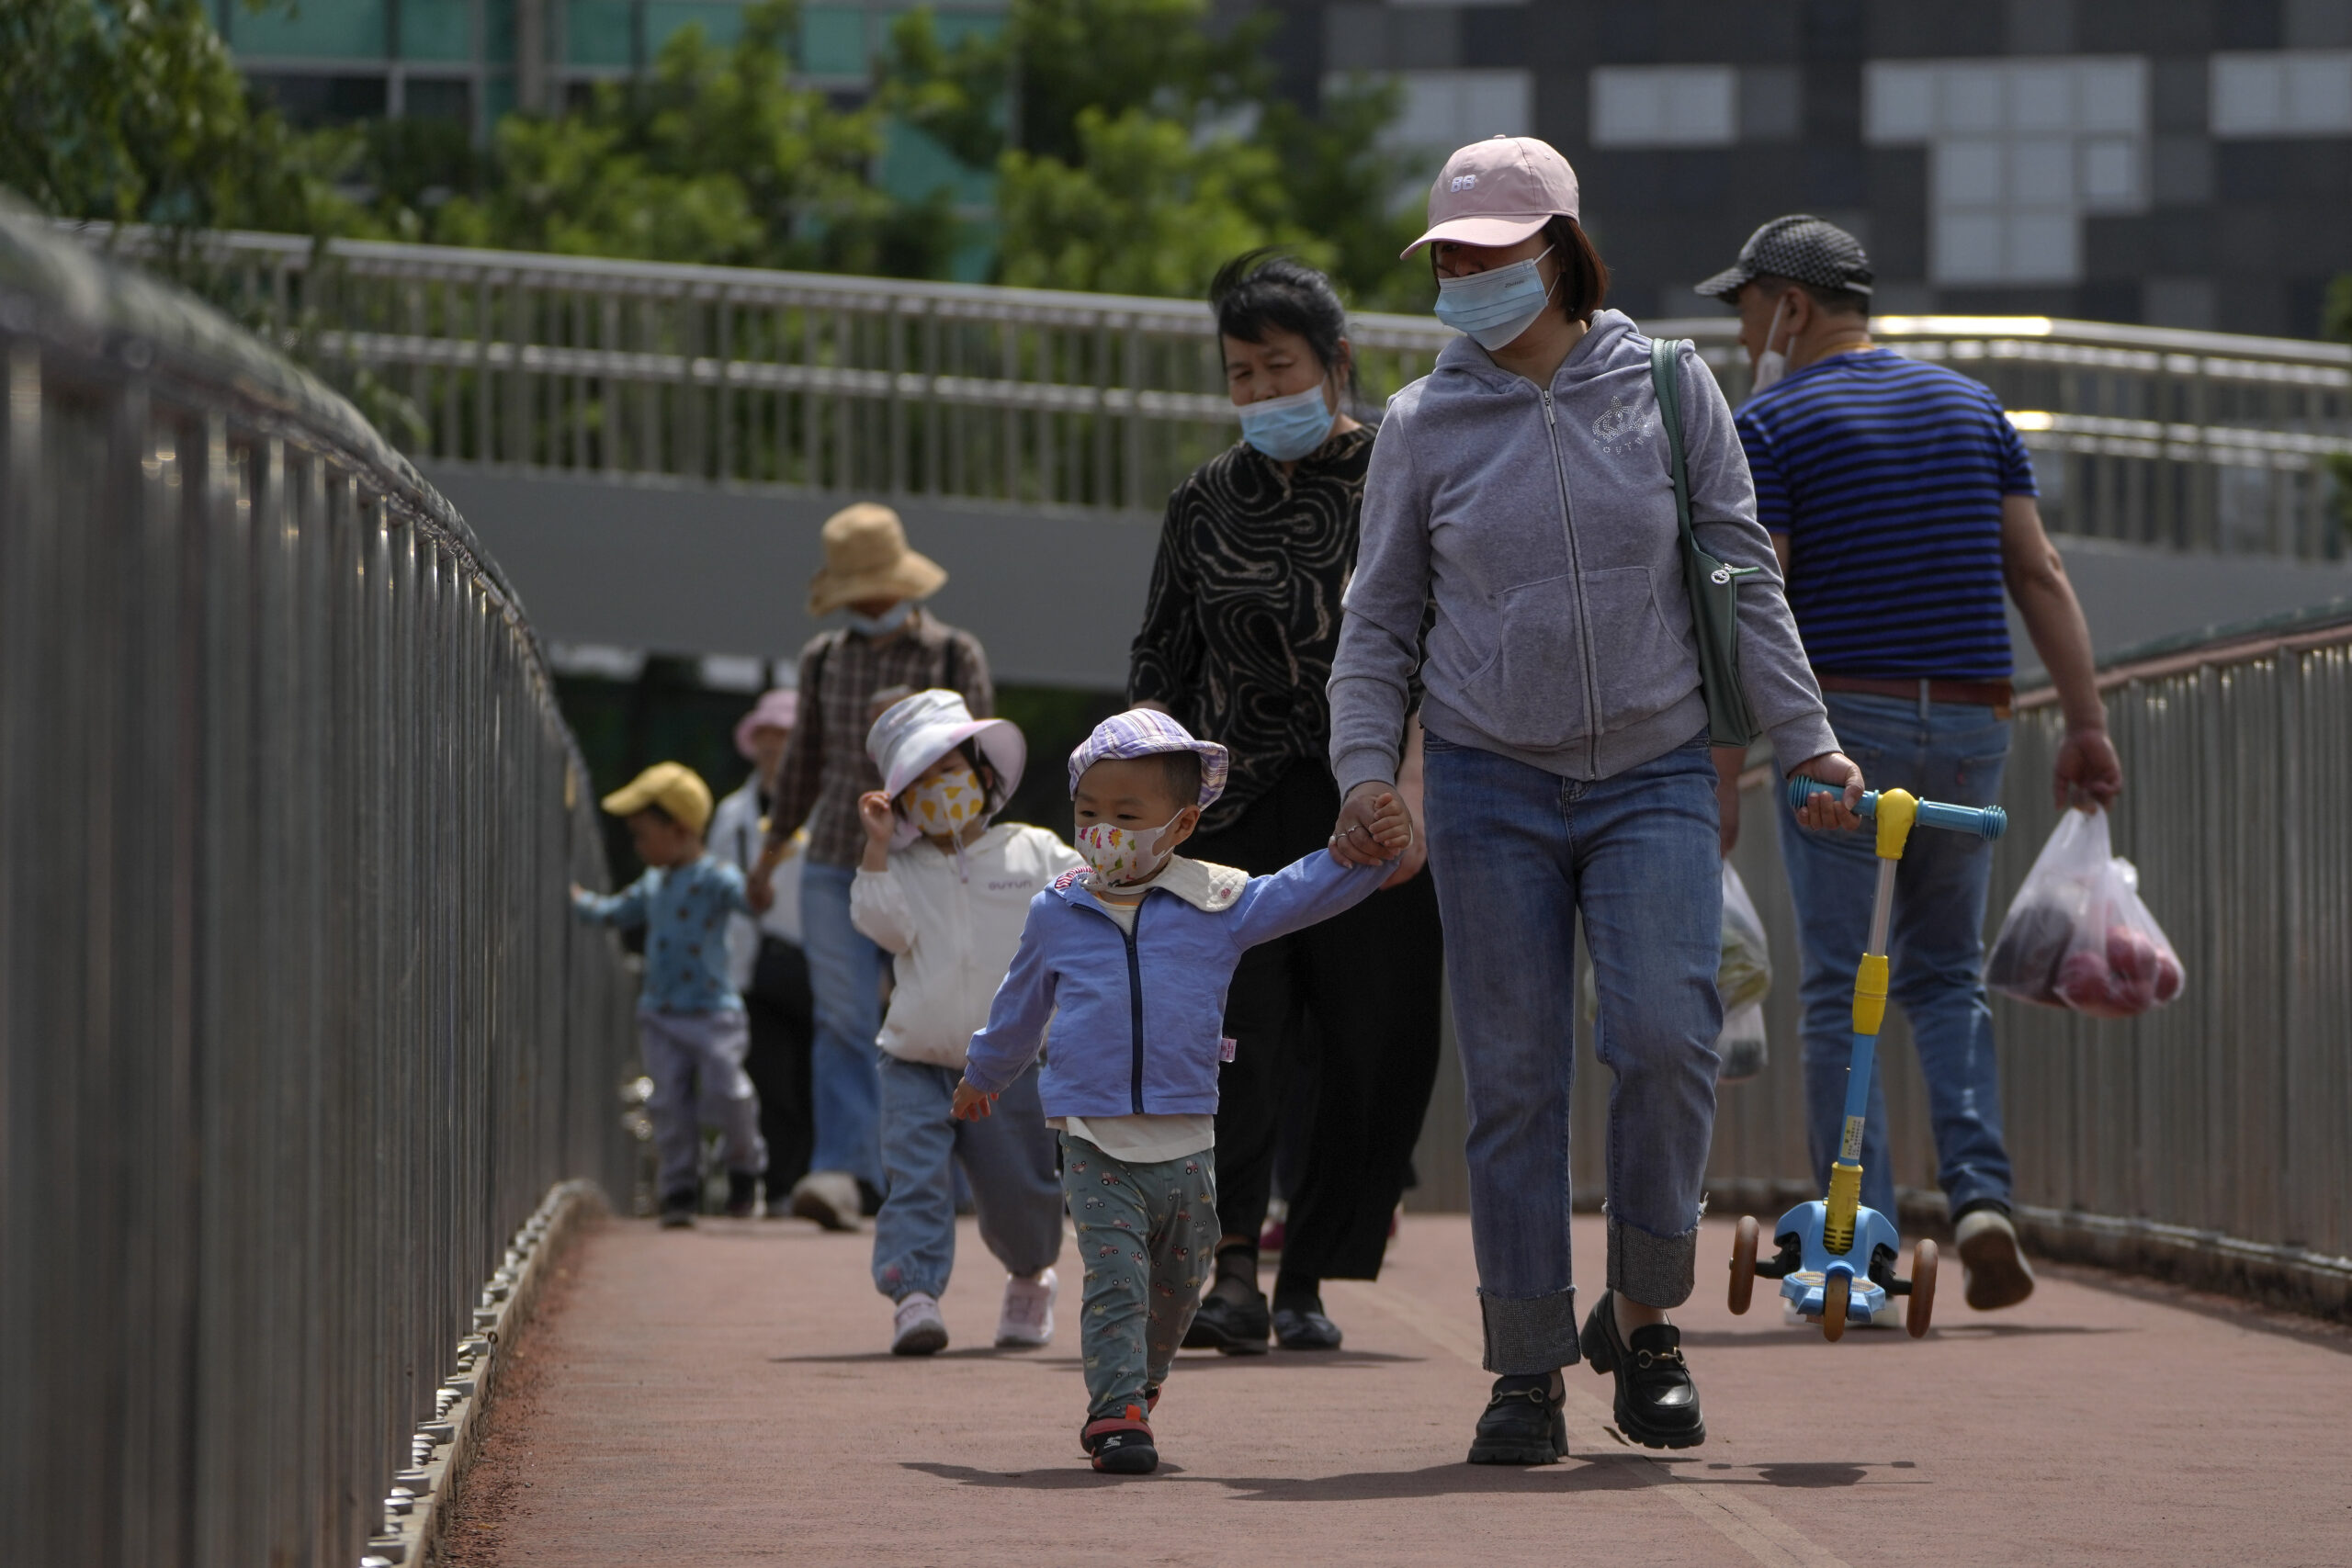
(828, 1197)
(918, 1329)
(1027, 1320)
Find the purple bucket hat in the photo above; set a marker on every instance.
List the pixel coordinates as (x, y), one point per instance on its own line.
(1143, 732)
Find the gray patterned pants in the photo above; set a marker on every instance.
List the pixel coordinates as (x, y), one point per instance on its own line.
(1145, 1233)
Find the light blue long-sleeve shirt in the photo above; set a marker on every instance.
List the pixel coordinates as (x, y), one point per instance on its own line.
(685, 909)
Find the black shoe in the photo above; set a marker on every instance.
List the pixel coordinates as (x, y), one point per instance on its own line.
(1228, 1326)
(1305, 1328)
(1121, 1444)
(742, 1195)
(678, 1209)
(1522, 1423)
(1658, 1404)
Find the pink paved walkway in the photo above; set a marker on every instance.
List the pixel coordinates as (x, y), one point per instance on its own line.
(722, 1397)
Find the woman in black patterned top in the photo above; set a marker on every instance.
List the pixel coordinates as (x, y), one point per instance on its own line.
(1335, 1028)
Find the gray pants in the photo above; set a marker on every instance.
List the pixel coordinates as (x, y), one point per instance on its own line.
(695, 1060)
(1145, 1233)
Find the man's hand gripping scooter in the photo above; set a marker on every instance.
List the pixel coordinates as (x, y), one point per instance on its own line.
(1837, 1258)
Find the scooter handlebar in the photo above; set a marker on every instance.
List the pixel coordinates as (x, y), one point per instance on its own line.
(1985, 821)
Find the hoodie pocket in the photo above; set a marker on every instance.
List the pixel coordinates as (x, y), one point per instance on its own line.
(1645, 667)
(1530, 694)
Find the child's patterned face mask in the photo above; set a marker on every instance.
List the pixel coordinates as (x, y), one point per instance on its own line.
(946, 802)
(1120, 854)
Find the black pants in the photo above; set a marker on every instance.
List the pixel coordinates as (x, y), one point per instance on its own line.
(1346, 1010)
(782, 1014)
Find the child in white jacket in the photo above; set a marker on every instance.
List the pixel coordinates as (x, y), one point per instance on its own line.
(947, 893)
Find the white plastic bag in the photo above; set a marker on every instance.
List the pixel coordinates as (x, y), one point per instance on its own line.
(2077, 936)
(1742, 1045)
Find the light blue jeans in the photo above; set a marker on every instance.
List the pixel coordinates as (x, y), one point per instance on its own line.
(845, 978)
(1007, 1155)
(1937, 943)
(1519, 854)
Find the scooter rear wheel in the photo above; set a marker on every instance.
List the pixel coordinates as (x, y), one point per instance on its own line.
(1833, 1297)
(1743, 1263)
(1922, 1305)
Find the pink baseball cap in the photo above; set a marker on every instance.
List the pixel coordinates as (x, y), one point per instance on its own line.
(1498, 192)
(779, 709)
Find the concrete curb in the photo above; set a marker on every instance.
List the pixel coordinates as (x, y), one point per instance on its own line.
(443, 1447)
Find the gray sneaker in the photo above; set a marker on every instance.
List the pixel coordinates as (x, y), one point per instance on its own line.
(828, 1197)
(1991, 1260)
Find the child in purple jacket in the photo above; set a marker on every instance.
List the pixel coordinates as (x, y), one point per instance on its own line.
(1128, 963)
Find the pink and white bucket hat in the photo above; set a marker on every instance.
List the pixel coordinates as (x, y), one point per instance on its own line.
(779, 709)
(915, 732)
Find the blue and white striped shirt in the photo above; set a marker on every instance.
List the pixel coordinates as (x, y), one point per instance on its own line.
(1887, 476)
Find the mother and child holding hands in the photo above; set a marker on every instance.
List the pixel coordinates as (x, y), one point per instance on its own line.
(1430, 689)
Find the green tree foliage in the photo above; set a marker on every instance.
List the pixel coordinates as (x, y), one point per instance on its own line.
(132, 112)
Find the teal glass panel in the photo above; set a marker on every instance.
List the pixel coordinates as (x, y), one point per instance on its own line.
(722, 24)
(913, 165)
(498, 97)
(323, 30)
(597, 32)
(498, 30)
(953, 27)
(432, 29)
(833, 42)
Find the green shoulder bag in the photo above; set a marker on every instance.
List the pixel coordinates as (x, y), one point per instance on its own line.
(1714, 584)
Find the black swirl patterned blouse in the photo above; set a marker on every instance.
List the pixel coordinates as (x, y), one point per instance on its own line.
(1244, 613)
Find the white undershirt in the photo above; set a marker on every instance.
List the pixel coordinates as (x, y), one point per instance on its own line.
(1139, 1140)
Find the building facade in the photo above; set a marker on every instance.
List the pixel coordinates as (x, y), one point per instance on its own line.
(2180, 163)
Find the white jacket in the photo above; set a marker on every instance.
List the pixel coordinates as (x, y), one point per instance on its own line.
(735, 837)
(954, 934)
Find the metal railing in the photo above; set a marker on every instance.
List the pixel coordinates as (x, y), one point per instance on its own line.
(295, 1025)
(2211, 1139)
(735, 376)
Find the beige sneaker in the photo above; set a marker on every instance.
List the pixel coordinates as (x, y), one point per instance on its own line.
(828, 1197)
(1991, 1260)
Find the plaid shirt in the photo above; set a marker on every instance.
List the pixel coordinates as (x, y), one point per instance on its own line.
(825, 767)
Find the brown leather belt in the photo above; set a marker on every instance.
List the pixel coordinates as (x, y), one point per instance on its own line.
(1998, 695)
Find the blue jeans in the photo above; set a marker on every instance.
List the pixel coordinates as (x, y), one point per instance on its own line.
(1937, 943)
(845, 978)
(1519, 854)
(1008, 1157)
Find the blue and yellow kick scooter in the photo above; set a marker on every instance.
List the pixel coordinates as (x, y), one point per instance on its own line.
(1837, 1258)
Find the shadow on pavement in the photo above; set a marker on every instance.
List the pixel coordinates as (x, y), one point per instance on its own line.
(1728, 1338)
(1598, 1473)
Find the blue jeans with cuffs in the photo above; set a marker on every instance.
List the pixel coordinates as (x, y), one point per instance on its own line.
(1519, 855)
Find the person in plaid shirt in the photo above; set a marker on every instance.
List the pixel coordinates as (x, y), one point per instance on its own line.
(891, 646)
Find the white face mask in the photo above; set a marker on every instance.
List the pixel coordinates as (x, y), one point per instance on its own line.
(1117, 854)
(1770, 365)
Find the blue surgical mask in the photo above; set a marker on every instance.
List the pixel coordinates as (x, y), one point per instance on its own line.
(1497, 305)
(885, 623)
(1287, 428)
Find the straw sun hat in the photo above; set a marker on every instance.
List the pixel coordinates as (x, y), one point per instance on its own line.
(866, 557)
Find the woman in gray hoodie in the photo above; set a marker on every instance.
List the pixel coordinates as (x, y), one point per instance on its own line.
(1525, 487)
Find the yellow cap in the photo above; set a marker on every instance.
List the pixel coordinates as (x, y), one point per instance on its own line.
(674, 787)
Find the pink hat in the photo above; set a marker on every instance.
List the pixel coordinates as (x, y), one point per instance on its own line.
(779, 709)
(1498, 192)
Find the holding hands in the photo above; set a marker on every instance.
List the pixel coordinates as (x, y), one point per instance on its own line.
(1373, 827)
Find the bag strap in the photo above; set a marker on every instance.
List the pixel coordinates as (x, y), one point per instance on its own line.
(1665, 380)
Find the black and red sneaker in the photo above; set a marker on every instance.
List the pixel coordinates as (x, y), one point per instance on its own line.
(1121, 1444)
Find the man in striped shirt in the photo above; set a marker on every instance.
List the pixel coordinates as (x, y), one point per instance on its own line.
(1901, 503)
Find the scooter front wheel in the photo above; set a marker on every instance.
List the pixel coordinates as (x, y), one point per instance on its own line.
(1743, 1263)
(1922, 1305)
(1833, 1297)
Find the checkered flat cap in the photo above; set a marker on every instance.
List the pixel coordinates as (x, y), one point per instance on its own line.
(1143, 732)
(1801, 247)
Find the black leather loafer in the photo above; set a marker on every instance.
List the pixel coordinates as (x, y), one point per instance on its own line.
(1300, 1328)
(1230, 1327)
(1523, 1424)
(1658, 1404)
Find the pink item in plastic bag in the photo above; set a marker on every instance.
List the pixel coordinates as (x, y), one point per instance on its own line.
(2077, 935)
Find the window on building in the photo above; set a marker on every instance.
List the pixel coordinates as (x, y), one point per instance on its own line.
(1664, 105)
(2292, 93)
(1447, 109)
(2018, 153)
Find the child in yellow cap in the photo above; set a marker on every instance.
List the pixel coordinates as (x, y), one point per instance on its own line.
(690, 1021)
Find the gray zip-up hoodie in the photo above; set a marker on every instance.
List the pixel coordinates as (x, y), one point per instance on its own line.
(1543, 524)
